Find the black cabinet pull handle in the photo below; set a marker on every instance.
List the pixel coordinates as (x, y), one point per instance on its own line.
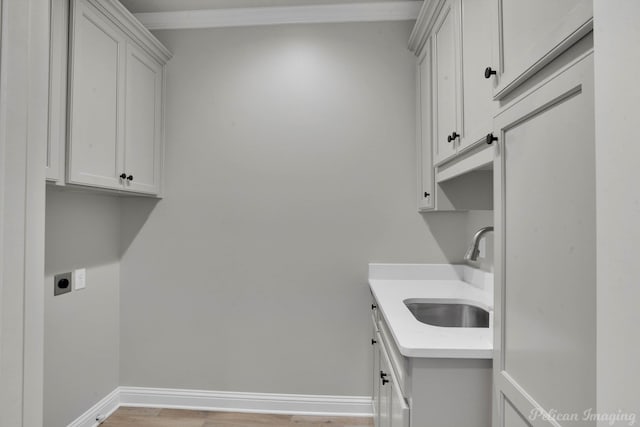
(488, 72)
(383, 375)
(426, 194)
(453, 136)
(123, 176)
(491, 138)
(373, 306)
(130, 178)
(373, 342)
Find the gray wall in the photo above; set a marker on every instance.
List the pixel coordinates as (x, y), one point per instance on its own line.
(290, 164)
(617, 66)
(81, 327)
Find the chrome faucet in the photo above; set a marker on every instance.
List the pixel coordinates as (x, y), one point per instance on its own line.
(473, 251)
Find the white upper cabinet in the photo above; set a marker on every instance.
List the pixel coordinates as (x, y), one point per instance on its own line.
(461, 49)
(445, 82)
(528, 34)
(116, 74)
(455, 105)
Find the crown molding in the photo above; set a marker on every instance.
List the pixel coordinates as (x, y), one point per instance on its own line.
(424, 24)
(331, 13)
(124, 20)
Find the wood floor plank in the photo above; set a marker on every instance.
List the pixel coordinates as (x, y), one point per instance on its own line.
(132, 410)
(183, 413)
(153, 417)
(152, 421)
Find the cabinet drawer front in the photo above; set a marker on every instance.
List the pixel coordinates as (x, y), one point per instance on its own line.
(97, 70)
(399, 363)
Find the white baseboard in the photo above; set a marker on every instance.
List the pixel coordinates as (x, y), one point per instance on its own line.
(99, 411)
(266, 403)
(247, 402)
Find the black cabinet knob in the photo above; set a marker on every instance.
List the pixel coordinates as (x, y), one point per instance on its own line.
(453, 136)
(488, 72)
(373, 306)
(123, 176)
(491, 138)
(373, 342)
(130, 178)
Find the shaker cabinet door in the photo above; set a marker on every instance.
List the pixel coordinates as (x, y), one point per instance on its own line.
(478, 107)
(97, 89)
(143, 122)
(445, 82)
(424, 107)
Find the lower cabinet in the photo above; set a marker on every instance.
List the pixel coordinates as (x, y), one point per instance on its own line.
(394, 410)
(427, 392)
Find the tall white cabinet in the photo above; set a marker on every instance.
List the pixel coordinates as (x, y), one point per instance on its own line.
(545, 345)
(114, 132)
(514, 80)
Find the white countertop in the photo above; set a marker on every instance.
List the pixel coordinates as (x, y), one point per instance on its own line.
(392, 284)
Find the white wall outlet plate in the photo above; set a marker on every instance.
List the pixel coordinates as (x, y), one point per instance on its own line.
(80, 279)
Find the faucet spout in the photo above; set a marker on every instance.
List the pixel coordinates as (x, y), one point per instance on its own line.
(473, 252)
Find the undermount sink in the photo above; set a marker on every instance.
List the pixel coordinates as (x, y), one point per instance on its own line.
(450, 315)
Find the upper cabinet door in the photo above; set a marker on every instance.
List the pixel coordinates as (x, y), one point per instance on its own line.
(143, 126)
(531, 33)
(424, 131)
(445, 42)
(96, 92)
(478, 106)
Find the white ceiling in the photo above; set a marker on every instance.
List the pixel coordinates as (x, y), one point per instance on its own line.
(140, 6)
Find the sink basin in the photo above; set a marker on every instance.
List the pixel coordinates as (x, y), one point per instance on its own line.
(450, 315)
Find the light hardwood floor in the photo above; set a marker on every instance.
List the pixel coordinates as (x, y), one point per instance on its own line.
(153, 417)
